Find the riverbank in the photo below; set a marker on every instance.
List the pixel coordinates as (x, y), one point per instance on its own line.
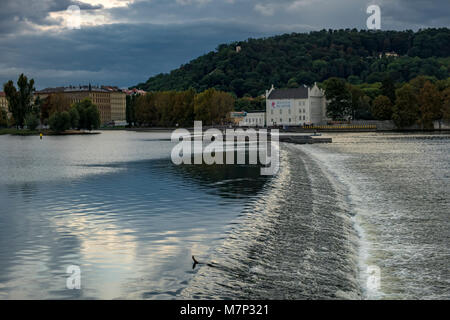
(25, 132)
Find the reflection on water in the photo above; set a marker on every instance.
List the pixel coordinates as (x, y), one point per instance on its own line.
(130, 219)
(116, 206)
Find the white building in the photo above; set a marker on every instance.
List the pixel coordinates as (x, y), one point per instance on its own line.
(254, 119)
(294, 107)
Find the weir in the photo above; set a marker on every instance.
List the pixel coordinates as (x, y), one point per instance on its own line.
(303, 139)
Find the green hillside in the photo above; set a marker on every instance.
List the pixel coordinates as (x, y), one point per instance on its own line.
(293, 59)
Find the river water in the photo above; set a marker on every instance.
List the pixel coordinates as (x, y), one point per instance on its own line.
(115, 205)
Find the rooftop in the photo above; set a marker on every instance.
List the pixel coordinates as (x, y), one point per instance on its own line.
(78, 89)
(295, 93)
(257, 111)
(134, 91)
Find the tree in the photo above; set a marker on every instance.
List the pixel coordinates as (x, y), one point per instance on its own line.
(354, 80)
(131, 109)
(88, 115)
(3, 118)
(31, 121)
(430, 105)
(418, 82)
(446, 104)
(183, 109)
(292, 83)
(36, 108)
(146, 112)
(388, 88)
(223, 104)
(92, 117)
(212, 106)
(382, 108)
(406, 109)
(364, 110)
(74, 118)
(59, 121)
(19, 101)
(339, 98)
(356, 100)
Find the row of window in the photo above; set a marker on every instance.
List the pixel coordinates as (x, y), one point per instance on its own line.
(253, 120)
(290, 120)
(289, 111)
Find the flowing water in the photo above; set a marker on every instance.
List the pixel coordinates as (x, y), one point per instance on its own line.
(115, 205)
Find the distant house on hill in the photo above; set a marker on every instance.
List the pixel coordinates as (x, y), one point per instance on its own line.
(294, 107)
(388, 54)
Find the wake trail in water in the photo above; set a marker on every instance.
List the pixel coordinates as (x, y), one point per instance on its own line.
(296, 241)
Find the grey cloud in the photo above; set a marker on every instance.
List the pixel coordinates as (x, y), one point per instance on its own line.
(416, 13)
(119, 54)
(14, 14)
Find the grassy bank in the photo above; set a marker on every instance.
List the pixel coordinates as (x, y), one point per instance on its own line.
(18, 132)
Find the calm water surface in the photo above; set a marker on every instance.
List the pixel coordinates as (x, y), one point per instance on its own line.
(116, 206)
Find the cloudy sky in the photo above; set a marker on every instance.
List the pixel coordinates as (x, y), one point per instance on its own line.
(123, 42)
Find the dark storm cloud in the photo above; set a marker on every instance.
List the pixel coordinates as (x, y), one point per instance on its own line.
(118, 54)
(148, 37)
(416, 13)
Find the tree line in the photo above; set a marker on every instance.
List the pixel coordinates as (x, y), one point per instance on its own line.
(55, 110)
(420, 101)
(179, 108)
(295, 59)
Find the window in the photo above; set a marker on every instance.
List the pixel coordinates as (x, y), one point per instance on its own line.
(289, 111)
(281, 111)
(289, 119)
(281, 120)
(304, 118)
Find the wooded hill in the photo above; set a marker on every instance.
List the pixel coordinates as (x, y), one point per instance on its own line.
(294, 59)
